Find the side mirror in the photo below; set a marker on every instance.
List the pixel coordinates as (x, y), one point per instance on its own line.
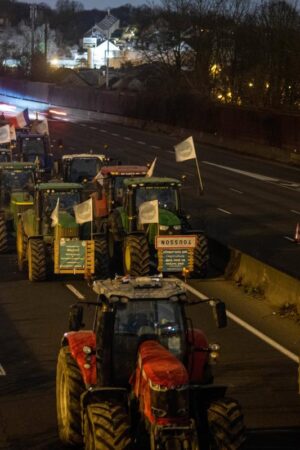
(220, 316)
(75, 317)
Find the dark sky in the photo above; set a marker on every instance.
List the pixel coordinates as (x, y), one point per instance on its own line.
(90, 4)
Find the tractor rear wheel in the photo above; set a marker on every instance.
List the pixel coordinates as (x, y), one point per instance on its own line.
(106, 426)
(69, 387)
(136, 256)
(101, 259)
(21, 246)
(201, 256)
(37, 263)
(3, 236)
(226, 425)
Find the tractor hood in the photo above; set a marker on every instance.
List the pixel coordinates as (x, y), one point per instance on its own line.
(21, 196)
(168, 218)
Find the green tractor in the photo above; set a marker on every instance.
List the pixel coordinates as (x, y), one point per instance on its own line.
(17, 182)
(50, 241)
(171, 243)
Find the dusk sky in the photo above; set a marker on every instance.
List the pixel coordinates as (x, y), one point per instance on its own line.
(98, 4)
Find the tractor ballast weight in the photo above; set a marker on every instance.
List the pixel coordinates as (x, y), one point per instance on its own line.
(171, 243)
(17, 182)
(140, 360)
(59, 249)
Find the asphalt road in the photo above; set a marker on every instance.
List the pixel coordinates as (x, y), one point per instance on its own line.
(33, 317)
(248, 203)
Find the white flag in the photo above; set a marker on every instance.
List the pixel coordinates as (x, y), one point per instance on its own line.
(148, 212)
(84, 211)
(185, 150)
(54, 214)
(151, 168)
(13, 136)
(42, 127)
(4, 134)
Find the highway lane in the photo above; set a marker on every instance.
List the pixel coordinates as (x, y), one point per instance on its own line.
(250, 204)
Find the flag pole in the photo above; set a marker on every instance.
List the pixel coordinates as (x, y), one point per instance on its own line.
(199, 175)
(92, 220)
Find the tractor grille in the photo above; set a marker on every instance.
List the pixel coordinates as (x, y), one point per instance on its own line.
(68, 232)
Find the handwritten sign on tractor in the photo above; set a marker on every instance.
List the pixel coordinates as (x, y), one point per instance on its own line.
(72, 254)
(175, 252)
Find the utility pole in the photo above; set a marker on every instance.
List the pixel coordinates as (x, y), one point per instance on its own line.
(46, 42)
(33, 11)
(107, 60)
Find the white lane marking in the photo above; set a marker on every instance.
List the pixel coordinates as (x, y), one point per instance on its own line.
(294, 211)
(249, 328)
(75, 291)
(289, 238)
(141, 142)
(93, 128)
(224, 211)
(243, 172)
(171, 151)
(2, 371)
(127, 138)
(155, 146)
(115, 134)
(236, 191)
(102, 130)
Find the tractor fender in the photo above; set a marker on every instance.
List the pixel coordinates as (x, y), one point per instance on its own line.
(197, 360)
(83, 349)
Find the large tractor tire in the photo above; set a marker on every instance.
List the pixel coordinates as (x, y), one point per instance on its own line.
(201, 256)
(226, 425)
(21, 246)
(3, 236)
(136, 256)
(69, 387)
(37, 262)
(101, 259)
(106, 426)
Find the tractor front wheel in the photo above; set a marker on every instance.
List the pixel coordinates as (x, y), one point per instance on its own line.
(37, 263)
(3, 236)
(136, 256)
(101, 259)
(201, 256)
(226, 425)
(69, 387)
(106, 426)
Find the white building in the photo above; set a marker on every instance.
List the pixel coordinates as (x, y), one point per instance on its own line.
(97, 56)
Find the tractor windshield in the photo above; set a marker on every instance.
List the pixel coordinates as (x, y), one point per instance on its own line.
(67, 200)
(84, 169)
(118, 189)
(17, 180)
(33, 148)
(167, 196)
(139, 320)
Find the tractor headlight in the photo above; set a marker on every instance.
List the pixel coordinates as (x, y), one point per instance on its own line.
(163, 227)
(177, 227)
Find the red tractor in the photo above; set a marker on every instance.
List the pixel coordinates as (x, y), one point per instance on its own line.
(108, 192)
(141, 378)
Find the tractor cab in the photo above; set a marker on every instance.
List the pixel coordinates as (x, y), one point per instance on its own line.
(82, 168)
(47, 196)
(109, 188)
(5, 154)
(165, 191)
(35, 148)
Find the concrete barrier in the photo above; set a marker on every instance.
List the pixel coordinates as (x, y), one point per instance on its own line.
(259, 279)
